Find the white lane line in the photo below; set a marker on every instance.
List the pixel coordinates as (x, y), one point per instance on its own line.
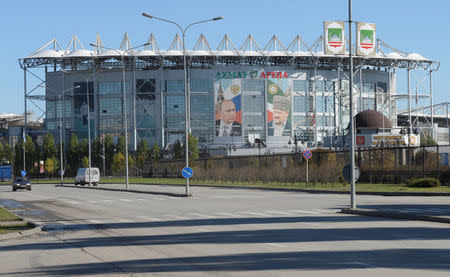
(252, 213)
(203, 215)
(364, 264)
(148, 218)
(326, 211)
(227, 214)
(277, 212)
(303, 212)
(177, 217)
(74, 202)
(159, 198)
(106, 201)
(93, 201)
(123, 220)
(440, 210)
(141, 199)
(203, 230)
(125, 200)
(275, 244)
(95, 221)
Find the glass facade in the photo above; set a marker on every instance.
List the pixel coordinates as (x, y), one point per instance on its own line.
(158, 111)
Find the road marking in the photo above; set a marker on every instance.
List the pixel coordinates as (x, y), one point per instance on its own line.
(141, 199)
(95, 221)
(203, 215)
(226, 214)
(74, 202)
(277, 212)
(125, 200)
(123, 220)
(159, 198)
(364, 264)
(203, 230)
(148, 218)
(252, 213)
(303, 212)
(440, 210)
(106, 201)
(177, 217)
(275, 244)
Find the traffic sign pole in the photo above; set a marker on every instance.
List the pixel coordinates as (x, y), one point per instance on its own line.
(307, 154)
(307, 167)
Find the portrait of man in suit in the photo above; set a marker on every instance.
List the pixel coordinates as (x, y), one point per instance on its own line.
(227, 125)
(280, 125)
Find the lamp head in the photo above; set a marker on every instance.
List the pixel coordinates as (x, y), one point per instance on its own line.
(218, 18)
(147, 15)
(93, 45)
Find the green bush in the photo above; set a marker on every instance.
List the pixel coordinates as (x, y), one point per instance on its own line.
(423, 183)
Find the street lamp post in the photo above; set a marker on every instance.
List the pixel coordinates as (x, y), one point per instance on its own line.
(124, 103)
(186, 87)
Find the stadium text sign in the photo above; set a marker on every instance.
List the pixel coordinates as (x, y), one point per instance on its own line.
(253, 74)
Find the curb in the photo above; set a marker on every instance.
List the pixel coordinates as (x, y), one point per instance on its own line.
(317, 191)
(399, 215)
(124, 190)
(25, 233)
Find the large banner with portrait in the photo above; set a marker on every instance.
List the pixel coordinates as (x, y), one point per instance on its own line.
(228, 107)
(279, 99)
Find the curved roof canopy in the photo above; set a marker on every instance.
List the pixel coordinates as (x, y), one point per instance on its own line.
(371, 119)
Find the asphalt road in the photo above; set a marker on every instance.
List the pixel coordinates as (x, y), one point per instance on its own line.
(220, 232)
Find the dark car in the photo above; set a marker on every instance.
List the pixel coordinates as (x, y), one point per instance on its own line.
(21, 183)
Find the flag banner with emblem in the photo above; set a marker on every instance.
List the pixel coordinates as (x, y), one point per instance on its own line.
(334, 34)
(279, 102)
(365, 39)
(228, 108)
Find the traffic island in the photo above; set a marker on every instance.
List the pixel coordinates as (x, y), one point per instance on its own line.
(12, 226)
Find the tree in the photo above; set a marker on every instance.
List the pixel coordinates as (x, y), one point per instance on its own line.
(73, 156)
(156, 152)
(120, 146)
(30, 152)
(48, 147)
(428, 141)
(143, 152)
(18, 157)
(2, 154)
(118, 163)
(51, 164)
(178, 150)
(109, 152)
(9, 155)
(85, 161)
(193, 147)
(84, 148)
(97, 152)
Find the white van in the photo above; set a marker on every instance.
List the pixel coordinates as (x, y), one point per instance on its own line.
(83, 174)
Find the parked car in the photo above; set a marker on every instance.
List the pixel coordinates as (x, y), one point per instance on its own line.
(83, 174)
(21, 183)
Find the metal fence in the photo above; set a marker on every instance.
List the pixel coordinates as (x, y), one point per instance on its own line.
(377, 165)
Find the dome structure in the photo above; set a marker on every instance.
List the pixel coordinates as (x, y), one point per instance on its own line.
(371, 119)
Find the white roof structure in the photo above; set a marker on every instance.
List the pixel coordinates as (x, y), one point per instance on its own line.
(297, 52)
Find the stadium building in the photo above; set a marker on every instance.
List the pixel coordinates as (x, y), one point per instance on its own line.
(272, 95)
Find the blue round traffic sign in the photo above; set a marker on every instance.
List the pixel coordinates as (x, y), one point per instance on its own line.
(23, 173)
(187, 172)
(307, 154)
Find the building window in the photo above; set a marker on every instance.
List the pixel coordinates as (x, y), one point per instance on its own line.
(145, 89)
(174, 85)
(252, 85)
(201, 85)
(112, 88)
(300, 85)
(174, 104)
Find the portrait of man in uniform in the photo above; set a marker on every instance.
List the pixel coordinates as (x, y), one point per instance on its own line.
(280, 125)
(227, 125)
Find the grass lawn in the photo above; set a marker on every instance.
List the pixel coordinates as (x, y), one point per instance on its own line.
(7, 216)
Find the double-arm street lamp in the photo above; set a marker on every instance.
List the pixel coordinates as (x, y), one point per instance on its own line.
(122, 56)
(186, 86)
(60, 94)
